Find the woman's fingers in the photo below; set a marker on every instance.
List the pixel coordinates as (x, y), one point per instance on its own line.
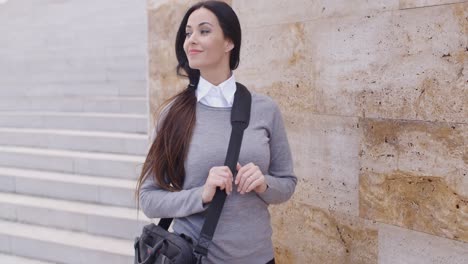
(252, 178)
(254, 184)
(221, 177)
(249, 178)
(228, 183)
(226, 172)
(219, 182)
(246, 173)
(241, 170)
(228, 179)
(224, 179)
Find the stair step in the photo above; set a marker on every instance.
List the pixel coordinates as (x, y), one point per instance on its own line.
(77, 162)
(62, 246)
(71, 215)
(93, 189)
(94, 141)
(115, 122)
(108, 104)
(11, 259)
(72, 86)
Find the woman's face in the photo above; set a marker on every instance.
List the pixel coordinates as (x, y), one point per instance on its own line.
(205, 45)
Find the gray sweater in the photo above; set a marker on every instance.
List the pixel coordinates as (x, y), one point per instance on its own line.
(243, 234)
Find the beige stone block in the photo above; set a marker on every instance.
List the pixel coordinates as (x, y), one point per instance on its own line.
(425, 204)
(163, 21)
(271, 12)
(325, 150)
(394, 65)
(414, 175)
(420, 148)
(154, 4)
(423, 3)
(345, 52)
(277, 61)
(403, 246)
(389, 65)
(304, 234)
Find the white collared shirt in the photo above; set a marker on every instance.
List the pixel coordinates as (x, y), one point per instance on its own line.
(216, 96)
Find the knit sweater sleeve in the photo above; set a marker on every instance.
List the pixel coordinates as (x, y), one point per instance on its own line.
(160, 203)
(280, 177)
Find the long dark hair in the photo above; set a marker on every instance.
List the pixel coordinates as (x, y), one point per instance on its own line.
(166, 157)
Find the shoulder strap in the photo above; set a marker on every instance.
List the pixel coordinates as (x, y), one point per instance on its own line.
(240, 118)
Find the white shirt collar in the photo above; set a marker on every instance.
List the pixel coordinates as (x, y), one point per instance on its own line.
(227, 88)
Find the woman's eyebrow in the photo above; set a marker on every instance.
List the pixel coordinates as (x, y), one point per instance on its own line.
(201, 24)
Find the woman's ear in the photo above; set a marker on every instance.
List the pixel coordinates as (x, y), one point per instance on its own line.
(228, 46)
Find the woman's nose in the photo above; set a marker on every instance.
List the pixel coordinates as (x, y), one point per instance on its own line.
(193, 38)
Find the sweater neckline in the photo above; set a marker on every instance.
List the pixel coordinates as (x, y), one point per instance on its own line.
(224, 109)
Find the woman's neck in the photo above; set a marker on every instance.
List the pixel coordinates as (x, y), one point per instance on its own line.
(216, 77)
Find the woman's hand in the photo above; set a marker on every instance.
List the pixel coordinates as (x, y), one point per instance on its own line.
(217, 177)
(249, 177)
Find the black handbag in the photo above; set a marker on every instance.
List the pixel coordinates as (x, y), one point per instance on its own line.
(156, 245)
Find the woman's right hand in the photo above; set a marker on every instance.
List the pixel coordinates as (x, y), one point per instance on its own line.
(217, 177)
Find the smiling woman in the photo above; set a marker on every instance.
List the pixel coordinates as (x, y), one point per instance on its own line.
(184, 166)
(206, 46)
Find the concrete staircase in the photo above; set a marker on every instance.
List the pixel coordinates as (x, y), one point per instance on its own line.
(73, 129)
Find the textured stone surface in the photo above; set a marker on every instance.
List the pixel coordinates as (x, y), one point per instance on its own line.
(432, 68)
(424, 204)
(267, 12)
(347, 65)
(399, 245)
(163, 23)
(290, 78)
(304, 234)
(325, 151)
(422, 148)
(422, 3)
(414, 174)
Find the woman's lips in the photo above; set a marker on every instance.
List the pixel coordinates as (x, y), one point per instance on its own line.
(194, 52)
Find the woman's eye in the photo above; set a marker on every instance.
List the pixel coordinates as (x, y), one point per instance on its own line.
(187, 34)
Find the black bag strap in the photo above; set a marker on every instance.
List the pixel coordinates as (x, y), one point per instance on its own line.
(240, 117)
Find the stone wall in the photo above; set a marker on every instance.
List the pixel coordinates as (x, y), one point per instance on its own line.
(374, 95)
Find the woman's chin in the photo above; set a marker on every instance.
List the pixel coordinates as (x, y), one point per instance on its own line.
(195, 66)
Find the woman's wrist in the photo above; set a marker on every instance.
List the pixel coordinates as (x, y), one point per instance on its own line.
(263, 188)
(204, 200)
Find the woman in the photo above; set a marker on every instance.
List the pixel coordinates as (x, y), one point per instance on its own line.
(184, 165)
